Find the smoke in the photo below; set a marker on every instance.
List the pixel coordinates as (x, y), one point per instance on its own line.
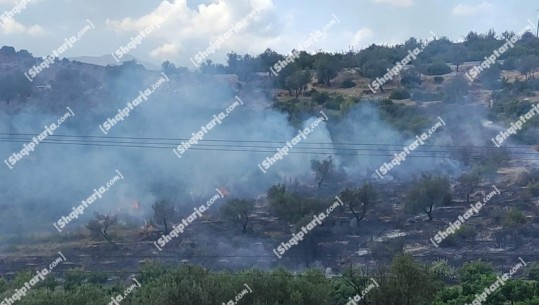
(47, 184)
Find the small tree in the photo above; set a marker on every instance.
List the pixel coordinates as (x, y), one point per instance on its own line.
(470, 182)
(411, 282)
(354, 280)
(459, 54)
(268, 59)
(374, 69)
(298, 81)
(326, 68)
(168, 67)
(163, 211)
(426, 193)
(101, 224)
(238, 210)
(359, 200)
(528, 65)
(322, 169)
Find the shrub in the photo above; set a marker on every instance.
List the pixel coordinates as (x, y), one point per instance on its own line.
(510, 63)
(348, 83)
(514, 218)
(320, 97)
(438, 68)
(335, 104)
(410, 78)
(438, 79)
(399, 94)
(533, 274)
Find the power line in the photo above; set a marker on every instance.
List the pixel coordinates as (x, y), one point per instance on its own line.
(177, 140)
(257, 149)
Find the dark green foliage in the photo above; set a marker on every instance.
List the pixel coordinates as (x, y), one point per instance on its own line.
(490, 78)
(327, 67)
(320, 97)
(513, 219)
(14, 86)
(348, 83)
(438, 68)
(403, 281)
(359, 200)
(408, 119)
(457, 89)
(291, 207)
(510, 63)
(411, 78)
(400, 94)
(427, 192)
(335, 103)
(238, 210)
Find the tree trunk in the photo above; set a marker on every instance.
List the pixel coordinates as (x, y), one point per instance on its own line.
(429, 213)
(320, 182)
(356, 215)
(166, 227)
(245, 223)
(106, 235)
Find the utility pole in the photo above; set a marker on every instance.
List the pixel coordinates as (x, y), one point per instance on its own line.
(537, 28)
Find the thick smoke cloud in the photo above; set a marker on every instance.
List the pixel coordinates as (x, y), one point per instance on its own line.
(45, 185)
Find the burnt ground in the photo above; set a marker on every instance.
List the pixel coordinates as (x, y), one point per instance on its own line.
(217, 244)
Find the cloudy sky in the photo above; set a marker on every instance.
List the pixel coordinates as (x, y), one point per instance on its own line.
(191, 26)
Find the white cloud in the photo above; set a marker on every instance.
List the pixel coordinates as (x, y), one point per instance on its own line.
(195, 29)
(165, 51)
(22, 4)
(403, 3)
(35, 30)
(361, 35)
(11, 26)
(468, 9)
(9, 1)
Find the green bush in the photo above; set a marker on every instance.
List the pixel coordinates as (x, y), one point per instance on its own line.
(438, 68)
(334, 104)
(514, 218)
(533, 274)
(510, 63)
(348, 83)
(320, 97)
(399, 94)
(438, 79)
(410, 78)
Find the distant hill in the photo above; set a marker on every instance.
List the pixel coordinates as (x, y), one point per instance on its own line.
(107, 59)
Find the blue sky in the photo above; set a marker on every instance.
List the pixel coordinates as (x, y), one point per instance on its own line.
(281, 24)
